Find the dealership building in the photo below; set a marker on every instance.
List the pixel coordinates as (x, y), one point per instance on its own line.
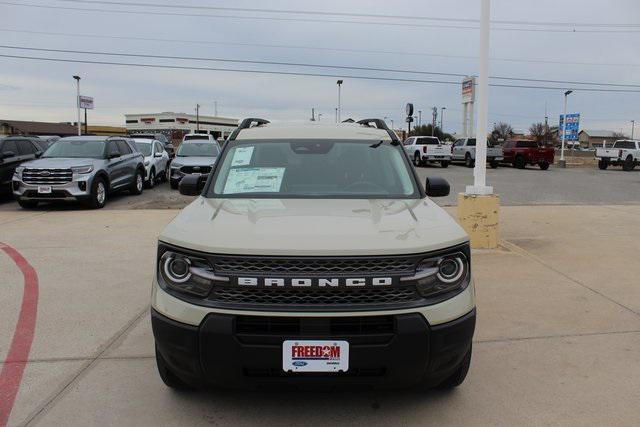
(176, 125)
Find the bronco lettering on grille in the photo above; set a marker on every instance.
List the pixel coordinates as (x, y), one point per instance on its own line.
(314, 282)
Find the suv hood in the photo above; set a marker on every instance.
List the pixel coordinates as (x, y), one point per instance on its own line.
(194, 161)
(322, 227)
(59, 162)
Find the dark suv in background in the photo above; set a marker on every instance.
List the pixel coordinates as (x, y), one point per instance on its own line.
(15, 150)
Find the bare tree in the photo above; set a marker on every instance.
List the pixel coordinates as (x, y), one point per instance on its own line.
(619, 135)
(501, 132)
(541, 133)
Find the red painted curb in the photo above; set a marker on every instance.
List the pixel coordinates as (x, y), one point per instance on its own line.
(16, 360)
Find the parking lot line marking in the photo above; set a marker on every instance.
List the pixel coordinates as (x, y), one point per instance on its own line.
(11, 374)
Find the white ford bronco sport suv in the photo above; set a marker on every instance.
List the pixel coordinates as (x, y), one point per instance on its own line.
(313, 255)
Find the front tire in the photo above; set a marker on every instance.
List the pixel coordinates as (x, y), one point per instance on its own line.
(137, 186)
(468, 161)
(416, 160)
(494, 164)
(603, 164)
(28, 204)
(628, 164)
(152, 179)
(520, 163)
(98, 196)
(459, 375)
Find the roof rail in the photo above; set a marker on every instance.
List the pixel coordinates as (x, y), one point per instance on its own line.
(246, 124)
(380, 124)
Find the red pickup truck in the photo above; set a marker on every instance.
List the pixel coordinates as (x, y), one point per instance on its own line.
(523, 152)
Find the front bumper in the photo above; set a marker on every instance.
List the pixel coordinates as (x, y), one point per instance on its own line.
(77, 189)
(400, 351)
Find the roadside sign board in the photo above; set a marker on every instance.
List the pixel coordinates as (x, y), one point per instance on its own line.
(468, 89)
(573, 126)
(85, 102)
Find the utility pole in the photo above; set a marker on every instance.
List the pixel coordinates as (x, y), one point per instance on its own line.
(336, 114)
(434, 119)
(563, 163)
(442, 118)
(419, 117)
(313, 114)
(86, 132)
(77, 78)
(197, 117)
(339, 82)
(633, 125)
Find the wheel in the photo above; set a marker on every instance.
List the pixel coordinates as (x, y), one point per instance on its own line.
(28, 204)
(444, 163)
(544, 165)
(468, 161)
(137, 186)
(459, 375)
(168, 377)
(628, 164)
(174, 185)
(416, 160)
(152, 179)
(520, 163)
(494, 164)
(98, 196)
(603, 164)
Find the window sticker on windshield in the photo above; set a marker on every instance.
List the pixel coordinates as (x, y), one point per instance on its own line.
(254, 180)
(242, 156)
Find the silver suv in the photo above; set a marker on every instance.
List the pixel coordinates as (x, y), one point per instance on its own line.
(82, 168)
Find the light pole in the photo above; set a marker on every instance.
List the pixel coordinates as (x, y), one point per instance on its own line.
(339, 104)
(197, 118)
(563, 163)
(319, 116)
(442, 118)
(419, 117)
(633, 125)
(77, 78)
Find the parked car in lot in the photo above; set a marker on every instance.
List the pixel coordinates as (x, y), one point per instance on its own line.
(15, 150)
(81, 168)
(624, 152)
(313, 255)
(424, 149)
(199, 137)
(464, 150)
(193, 157)
(156, 160)
(523, 152)
(168, 145)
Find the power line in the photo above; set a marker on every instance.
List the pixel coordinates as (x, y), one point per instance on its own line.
(319, 48)
(292, 73)
(334, 21)
(349, 14)
(307, 65)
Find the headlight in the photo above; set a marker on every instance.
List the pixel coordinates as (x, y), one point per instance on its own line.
(82, 169)
(18, 172)
(187, 273)
(441, 274)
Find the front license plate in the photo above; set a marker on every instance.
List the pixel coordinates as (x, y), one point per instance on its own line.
(44, 189)
(315, 356)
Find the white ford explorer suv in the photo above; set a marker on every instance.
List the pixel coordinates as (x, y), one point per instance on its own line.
(313, 255)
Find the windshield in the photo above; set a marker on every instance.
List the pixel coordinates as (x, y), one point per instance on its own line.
(201, 137)
(314, 168)
(198, 149)
(144, 148)
(77, 149)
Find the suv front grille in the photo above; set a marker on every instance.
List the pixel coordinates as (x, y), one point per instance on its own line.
(195, 169)
(46, 176)
(293, 266)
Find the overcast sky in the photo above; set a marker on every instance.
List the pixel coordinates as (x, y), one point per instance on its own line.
(45, 91)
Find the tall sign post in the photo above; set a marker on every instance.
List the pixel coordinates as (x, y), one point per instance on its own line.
(478, 206)
(409, 110)
(86, 103)
(468, 98)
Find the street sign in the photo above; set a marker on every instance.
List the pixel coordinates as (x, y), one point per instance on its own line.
(468, 89)
(85, 102)
(409, 109)
(573, 126)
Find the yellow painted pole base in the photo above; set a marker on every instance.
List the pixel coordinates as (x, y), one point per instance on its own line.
(478, 215)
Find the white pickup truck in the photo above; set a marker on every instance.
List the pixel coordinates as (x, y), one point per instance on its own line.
(423, 149)
(464, 150)
(624, 152)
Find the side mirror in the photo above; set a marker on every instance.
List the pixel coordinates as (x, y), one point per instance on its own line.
(192, 185)
(7, 154)
(158, 154)
(437, 187)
